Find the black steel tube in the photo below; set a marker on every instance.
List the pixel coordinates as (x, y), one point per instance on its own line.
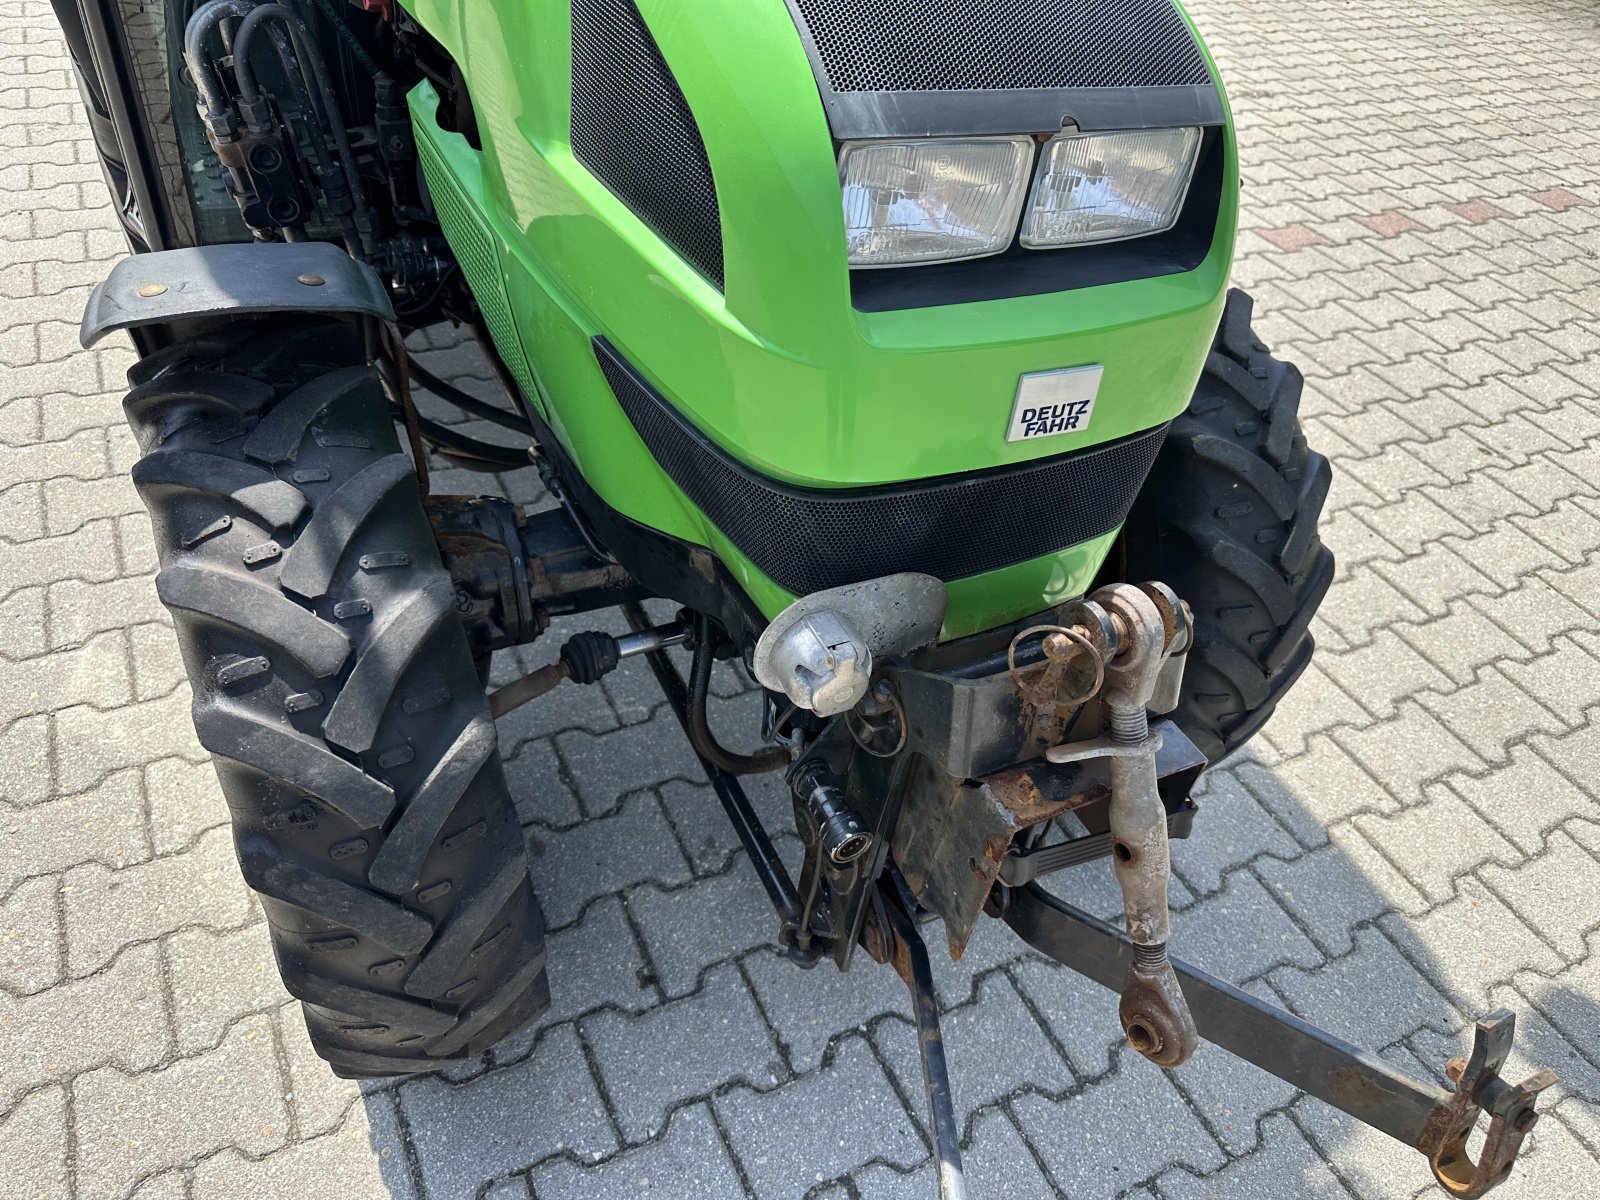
(747, 825)
(930, 1045)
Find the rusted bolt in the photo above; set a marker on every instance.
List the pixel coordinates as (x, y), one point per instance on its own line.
(152, 289)
(310, 280)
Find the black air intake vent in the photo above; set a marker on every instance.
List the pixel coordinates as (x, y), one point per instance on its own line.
(894, 68)
(986, 45)
(807, 539)
(633, 129)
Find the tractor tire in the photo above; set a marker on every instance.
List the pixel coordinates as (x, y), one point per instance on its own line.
(1228, 518)
(336, 691)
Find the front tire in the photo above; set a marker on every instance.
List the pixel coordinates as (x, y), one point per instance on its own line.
(337, 694)
(1228, 518)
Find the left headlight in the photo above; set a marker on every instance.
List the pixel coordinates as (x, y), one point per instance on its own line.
(1105, 187)
(932, 199)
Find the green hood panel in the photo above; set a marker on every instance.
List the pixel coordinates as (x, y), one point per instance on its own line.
(778, 368)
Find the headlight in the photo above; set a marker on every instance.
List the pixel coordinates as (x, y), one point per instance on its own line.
(932, 199)
(1104, 187)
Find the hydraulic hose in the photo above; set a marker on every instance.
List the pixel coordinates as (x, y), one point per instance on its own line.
(467, 402)
(774, 758)
(308, 52)
(195, 33)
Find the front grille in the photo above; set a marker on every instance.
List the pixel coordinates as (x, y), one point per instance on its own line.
(967, 45)
(632, 128)
(952, 526)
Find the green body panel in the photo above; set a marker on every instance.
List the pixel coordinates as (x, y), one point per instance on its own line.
(778, 368)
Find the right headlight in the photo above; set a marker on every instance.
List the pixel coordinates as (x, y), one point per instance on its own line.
(1104, 187)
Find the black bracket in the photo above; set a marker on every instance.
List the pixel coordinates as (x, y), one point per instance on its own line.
(1429, 1118)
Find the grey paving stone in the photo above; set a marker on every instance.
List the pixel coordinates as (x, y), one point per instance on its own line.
(597, 963)
(993, 1046)
(42, 1036)
(1371, 997)
(684, 1049)
(33, 1146)
(1552, 894)
(134, 1125)
(1344, 884)
(1232, 828)
(540, 784)
(507, 1119)
(1285, 1165)
(1230, 1095)
(1309, 793)
(318, 1099)
(1213, 936)
(184, 801)
(1412, 840)
(850, 1111)
(688, 1160)
(631, 845)
(365, 1156)
(606, 766)
(1080, 1014)
(30, 937)
(218, 978)
(1114, 1115)
(687, 930)
(1471, 943)
(808, 1010)
(108, 909)
(1528, 798)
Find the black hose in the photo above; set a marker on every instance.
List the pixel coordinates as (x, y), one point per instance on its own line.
(348, 37)
(469, 451)
(467, 402)
(199, 27)
(334, 119)
(773, 758)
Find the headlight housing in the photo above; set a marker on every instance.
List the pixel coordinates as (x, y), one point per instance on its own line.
(1106, 187)
(930, 200)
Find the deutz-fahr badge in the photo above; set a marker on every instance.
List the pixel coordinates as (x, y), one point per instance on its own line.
(1050, 402)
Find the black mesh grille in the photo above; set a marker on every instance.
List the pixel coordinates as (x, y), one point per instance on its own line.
(966, 45)
(807, 539)
(632, 127)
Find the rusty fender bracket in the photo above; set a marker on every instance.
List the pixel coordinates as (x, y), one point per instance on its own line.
(1435, 1121)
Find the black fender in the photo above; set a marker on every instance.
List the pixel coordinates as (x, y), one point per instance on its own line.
(172, 287)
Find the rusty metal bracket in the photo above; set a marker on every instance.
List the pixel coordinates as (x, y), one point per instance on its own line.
(1429, 1118)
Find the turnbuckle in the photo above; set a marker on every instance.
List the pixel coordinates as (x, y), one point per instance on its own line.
(1135, 634)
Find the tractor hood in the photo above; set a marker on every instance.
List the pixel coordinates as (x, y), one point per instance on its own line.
(659, 201)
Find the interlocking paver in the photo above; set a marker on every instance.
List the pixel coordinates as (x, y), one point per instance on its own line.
(33, 1146)
(1421, 812)
(863, 1123)
(689, 1159)
(133, 1125)
(644, 1080)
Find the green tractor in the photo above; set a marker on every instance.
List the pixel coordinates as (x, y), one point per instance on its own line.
(884, 348)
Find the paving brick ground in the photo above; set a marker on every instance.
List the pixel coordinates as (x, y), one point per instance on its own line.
(1413, 841)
